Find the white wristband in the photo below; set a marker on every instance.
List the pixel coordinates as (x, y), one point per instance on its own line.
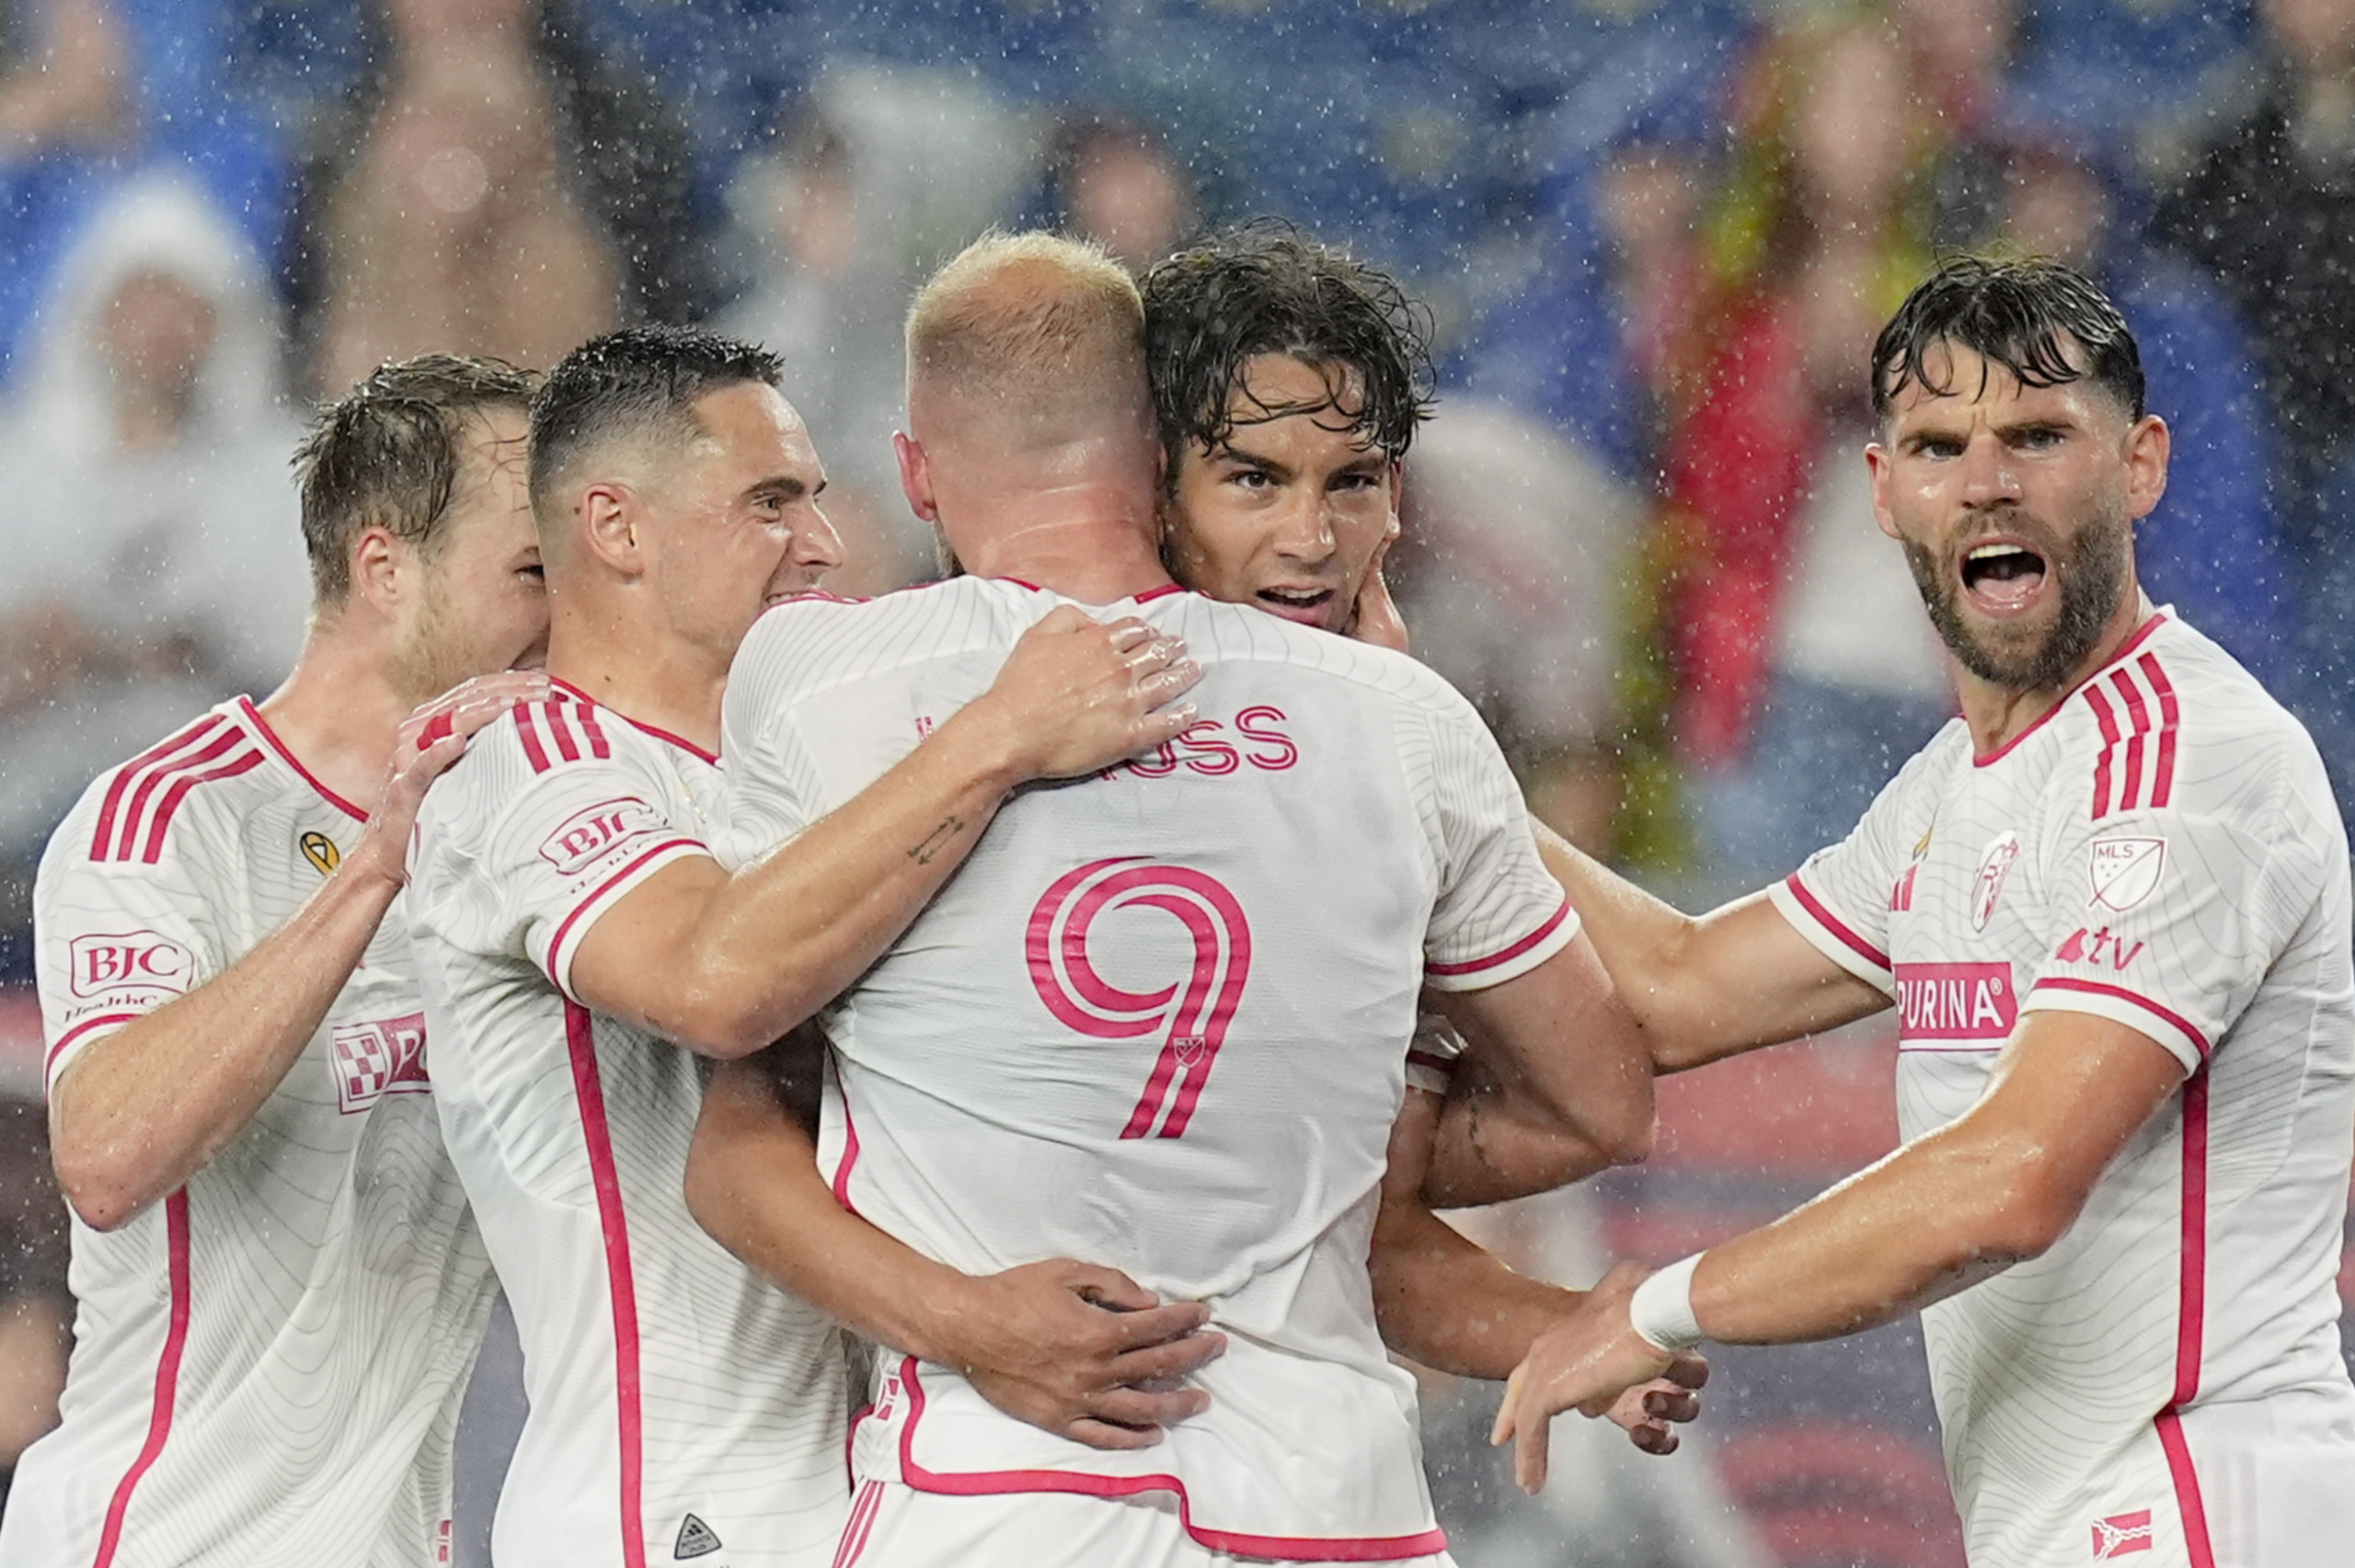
(1661, 1310)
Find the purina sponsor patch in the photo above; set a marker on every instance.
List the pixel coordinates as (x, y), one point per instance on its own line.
(2125, 870)
(1956, 1001)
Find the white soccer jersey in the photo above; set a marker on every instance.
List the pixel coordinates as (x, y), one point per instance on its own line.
(267, 1365)
(680, 1406)
(1158, 1021)
(2161, 849)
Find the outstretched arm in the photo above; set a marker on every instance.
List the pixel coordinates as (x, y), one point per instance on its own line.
(1064, 1345)
(1709, 986)
(1999, 1185)
(724, 964)
(142, 1110)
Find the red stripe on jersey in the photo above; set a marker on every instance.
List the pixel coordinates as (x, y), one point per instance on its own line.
(2098, 987)
(681, 741)
(860, 1526)
(997, 1482)
(556, 945)
(2142, 634)
(850, 1153)
(286, 753)
(530, 734)
(2103, 800)
(586, 711)
(1163, 592)
(2191, 1313)
(123, 775)
(560, 729)
(167, 1376)
(244, 763)
(1832, 923)
(1430, 1060)
(1474, 966)
(2170, 716)
(49, 1064)
(2138, 713)
(581, 1045)
(134, 814)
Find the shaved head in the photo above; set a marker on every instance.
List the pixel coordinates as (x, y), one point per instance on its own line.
(1024, 343)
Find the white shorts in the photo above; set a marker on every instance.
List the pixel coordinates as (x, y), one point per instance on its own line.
(894, 1526)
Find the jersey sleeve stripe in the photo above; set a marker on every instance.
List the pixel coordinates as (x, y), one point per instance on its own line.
(80, 1032)
(244, 763)
(528, 732)
(167, 1377)
(599, 747)
(2109, 737)
(2138, 715)
(998, 1483)
(1506, 956)
(559, 730)
(2168, 1016)
(124, 774)
(581, 1043)
(561, 946)
(2170, 716)
(135, 811)
(1835, 925)
(2191, 1313)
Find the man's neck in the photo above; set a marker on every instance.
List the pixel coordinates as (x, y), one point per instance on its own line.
(2001, 714)
(340, 712)
(654, 679)
(1093, 544)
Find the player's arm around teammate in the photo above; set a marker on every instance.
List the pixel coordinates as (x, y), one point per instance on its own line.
(138, 1112)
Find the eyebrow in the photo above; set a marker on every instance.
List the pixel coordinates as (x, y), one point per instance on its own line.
(785, 487)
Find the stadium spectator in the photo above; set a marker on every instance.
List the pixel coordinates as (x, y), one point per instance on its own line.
(1804, 671)
(1112, 181)
(497, 189)
(151, 531)
(35, 1306)
(2268, 209)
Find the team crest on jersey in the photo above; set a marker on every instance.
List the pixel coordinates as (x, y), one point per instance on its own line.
(2125, 870)
(320, 851)
(372, 1061)
(2120, 1535)
(1995, 868)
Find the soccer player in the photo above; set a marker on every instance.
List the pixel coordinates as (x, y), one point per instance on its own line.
(570, 925)
(280, 1287)
(1160, 1018)
(2109, 903)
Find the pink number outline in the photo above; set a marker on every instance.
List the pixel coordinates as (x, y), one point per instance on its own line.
(1056, 947)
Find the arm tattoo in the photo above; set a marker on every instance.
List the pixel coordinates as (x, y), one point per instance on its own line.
(923, 852)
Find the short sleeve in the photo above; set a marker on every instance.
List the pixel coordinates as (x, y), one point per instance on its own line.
(2168, 921)
(573, 843)
(117, 939)
(773, 792)
(1500, 913)
(1432, 1054)
(1841, 899)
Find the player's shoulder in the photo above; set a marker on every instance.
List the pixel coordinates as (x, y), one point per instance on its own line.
(1220, 632)
(565, 734)
(815, 641)
(2174, 721)
(191, 788)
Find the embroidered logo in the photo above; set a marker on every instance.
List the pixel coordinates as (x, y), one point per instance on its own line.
(134, 961)
(1956, 1001)
(1901, 898)
(2125, 870)
(593, 833)
(2092, 946)
(320, 851)
(695, 1540)
(2121, 1533)
(1994, 865)
(372, 1061)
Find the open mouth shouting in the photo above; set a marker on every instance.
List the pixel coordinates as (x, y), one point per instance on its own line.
(1309, 606)
(2004, 577)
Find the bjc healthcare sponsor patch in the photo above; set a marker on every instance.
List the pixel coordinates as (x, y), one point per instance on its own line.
(130, 963)
(594, 832)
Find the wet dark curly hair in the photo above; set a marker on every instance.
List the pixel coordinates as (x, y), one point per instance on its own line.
(2022, 312)
(1266, 288)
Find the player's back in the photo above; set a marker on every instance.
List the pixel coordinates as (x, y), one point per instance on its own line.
(1158, 1020)
(268, 1362)
(678, 1404)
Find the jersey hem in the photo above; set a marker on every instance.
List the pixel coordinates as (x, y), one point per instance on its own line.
(1557, 931)
(2064, 993)
(1832, 936)
(1294, 1549)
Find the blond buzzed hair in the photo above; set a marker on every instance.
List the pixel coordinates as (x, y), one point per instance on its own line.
(1032, 323)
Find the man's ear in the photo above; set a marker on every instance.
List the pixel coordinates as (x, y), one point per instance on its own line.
(1877, 463)
(606, 514)
(2149, 444)
(378, 563)
(916, 476)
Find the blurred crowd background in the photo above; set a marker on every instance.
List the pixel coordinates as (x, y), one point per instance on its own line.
(1655, 238)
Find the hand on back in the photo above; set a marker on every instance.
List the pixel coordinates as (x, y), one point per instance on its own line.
(1078, 694)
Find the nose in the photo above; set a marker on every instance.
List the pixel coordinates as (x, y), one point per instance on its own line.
(1988, 475)
(1304, 531)
(816, 545)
